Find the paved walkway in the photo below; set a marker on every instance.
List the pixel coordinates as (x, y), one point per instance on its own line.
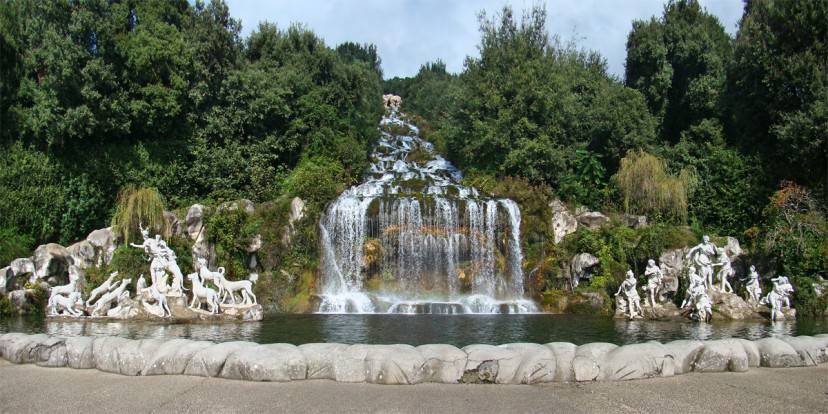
(28, 388)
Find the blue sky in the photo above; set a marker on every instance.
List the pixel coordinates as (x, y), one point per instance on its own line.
(408, 32)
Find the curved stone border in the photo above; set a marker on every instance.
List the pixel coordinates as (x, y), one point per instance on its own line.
(519, 363)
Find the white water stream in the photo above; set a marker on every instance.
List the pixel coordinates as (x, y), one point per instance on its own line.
(411, 239)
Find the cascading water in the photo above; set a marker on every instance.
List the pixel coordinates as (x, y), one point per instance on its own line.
(412, 239)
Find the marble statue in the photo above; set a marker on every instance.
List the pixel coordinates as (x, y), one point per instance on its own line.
(243, 286)
(753, 287)
(206, 274)
(64, 305)
(105, 302)
(201, 292)
(103, 288)
(655, 280)
(725, 271)
(141, 285)
(628, 288)
(67, 289)
(162, 261)
(779, 297)
(700, 256)
(696, 298)
(160, 308)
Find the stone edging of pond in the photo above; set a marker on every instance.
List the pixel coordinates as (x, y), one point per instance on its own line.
(520, 363)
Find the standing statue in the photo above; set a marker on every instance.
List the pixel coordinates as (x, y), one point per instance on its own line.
(65, 305)
(753, 288)
(655, 280)
(779, 297)
(162, 261)
(631, 295)
(200, 292)
(700, 256)
(726, 271)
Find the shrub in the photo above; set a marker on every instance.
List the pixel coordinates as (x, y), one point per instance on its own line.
(14, 245)
(232, 230)
(317, 180)
(144, 206)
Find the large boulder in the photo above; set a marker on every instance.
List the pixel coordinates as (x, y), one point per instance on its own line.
(582, 266)
(5, 276)
(444, 363)
(776, 353)
(593, 219)
(722, 355)
(51, 352)
(684, 354)
(80, 352)
(491, 364)
(83, 254)
(52, 263)
(752, 352)
(103, 240)
(730, 306)
(173, 223)
(588, 359)
(811, 350)
(537, 363)
(660, 311)
(17, 269)
(173, 356)
(671, 263)
(638, 361)
(635, 221)
(124, 356)
(564, 355)
(563, 222)
(380, 364)
(26, 349)
(5, 343)
(319, 359)
(209, 361)
(297, 212)
(732, 248)
(271, 362)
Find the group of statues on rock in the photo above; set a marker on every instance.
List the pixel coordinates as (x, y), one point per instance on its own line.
(65, 300)
(700, 278)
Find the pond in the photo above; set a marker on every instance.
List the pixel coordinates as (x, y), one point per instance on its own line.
(459, 330)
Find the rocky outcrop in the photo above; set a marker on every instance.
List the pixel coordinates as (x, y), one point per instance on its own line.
(593, 219)
(521, 363)
(635, 221)
(52, 263)
(197, 232)
(297, 213)
(731, 306)
(83, 254)
(563, 222)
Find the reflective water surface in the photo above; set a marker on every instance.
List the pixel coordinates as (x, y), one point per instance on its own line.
(459, 330)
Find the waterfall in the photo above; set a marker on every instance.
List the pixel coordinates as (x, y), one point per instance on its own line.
(412, 239)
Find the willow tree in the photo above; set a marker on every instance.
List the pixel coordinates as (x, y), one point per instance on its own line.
(139, 207)
(648, 188)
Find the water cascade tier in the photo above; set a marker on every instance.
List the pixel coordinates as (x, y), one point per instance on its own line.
(411, 239)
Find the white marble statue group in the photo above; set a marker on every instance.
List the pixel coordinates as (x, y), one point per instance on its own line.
(700, 282)
(653, 291)
(66, 300)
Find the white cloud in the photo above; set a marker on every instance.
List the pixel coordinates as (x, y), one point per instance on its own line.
(410, 33)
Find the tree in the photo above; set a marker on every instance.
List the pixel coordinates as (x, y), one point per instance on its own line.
(778, 89)
(649, 189)
(679, 63)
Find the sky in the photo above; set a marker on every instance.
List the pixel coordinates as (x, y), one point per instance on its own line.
(408, 33)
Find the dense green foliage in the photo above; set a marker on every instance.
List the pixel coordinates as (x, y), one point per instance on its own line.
(136, 209)
(97, 96)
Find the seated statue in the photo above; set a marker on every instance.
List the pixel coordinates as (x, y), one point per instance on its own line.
(628, 288)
